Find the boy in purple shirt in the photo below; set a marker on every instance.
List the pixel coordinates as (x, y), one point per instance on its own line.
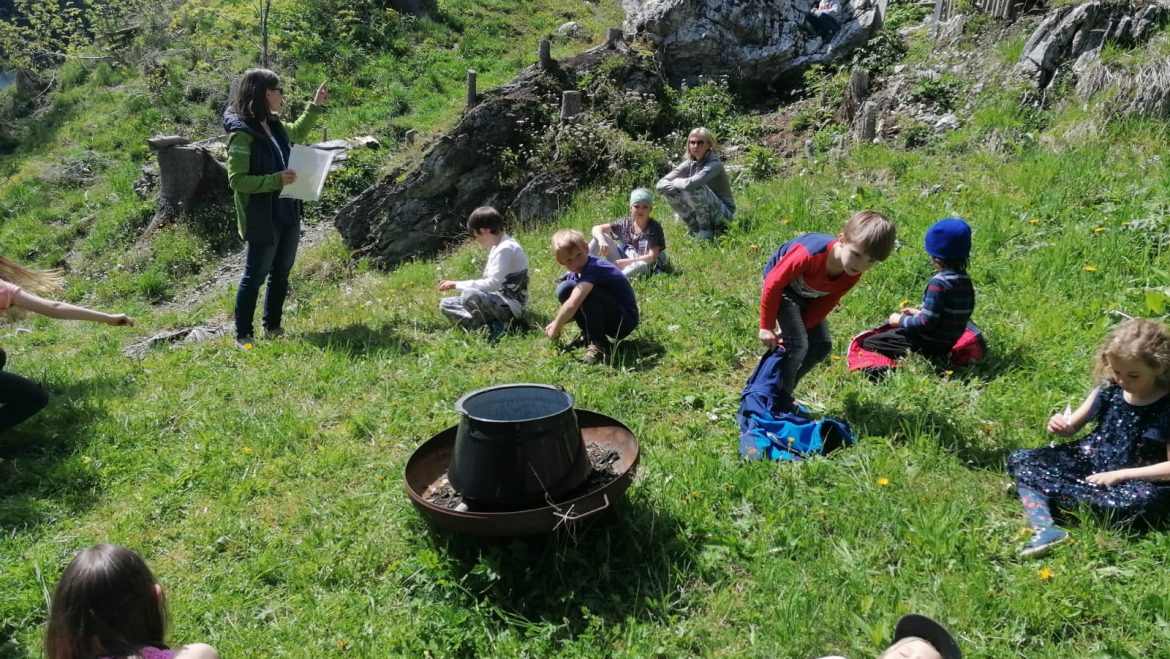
(595, 294)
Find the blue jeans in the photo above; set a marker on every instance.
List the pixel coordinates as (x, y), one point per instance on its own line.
(273, 262)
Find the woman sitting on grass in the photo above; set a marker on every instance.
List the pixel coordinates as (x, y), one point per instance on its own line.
(698, 189)
(20, 397)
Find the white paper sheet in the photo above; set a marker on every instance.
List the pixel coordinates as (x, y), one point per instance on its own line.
(311, 166)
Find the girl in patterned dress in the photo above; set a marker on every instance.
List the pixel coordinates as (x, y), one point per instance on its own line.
(1122, 467)
(108, 605)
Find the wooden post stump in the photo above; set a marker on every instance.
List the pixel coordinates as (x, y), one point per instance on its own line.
(570, 105)
(545, 55)
(470, 89)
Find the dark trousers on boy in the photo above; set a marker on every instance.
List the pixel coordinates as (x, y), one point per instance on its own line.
(803, 348)
(898, 342)
(600, 317)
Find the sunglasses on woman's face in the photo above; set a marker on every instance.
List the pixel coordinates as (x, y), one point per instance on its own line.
(697, 142)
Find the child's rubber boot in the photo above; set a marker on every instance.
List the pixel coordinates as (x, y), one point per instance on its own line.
(1043, 541)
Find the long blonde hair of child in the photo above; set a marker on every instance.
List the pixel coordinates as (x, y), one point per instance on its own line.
(40, 281)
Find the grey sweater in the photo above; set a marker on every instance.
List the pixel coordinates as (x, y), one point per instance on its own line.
(706, 172)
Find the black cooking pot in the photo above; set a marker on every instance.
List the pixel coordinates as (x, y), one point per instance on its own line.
(517, 443)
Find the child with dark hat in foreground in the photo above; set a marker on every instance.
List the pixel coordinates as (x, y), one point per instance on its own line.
(947, 304)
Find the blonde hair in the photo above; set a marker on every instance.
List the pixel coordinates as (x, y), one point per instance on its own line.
(1137, 339)
(707, 136)
(568, 238)
(41, 281)
(872, 233)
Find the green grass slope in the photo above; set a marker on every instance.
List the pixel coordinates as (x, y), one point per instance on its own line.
(264, 487)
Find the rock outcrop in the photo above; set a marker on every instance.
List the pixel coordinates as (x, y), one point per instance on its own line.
(511, 151)
(748, 41)
(1075, 34)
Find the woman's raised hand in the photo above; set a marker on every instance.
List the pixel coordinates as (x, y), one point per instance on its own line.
(322, 95)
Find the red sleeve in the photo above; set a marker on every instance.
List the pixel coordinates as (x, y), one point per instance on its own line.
(791, 264)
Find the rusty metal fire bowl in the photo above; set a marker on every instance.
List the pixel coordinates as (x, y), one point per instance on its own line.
(429, 463)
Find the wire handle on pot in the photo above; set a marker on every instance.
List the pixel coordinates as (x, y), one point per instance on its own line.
(570, 516)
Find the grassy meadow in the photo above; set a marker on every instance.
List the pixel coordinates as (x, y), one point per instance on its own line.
(265, 487)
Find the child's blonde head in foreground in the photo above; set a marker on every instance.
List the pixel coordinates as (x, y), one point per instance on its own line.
(568, 239)
(1141, 340)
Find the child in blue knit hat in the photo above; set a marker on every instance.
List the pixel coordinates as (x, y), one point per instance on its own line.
(947, 304)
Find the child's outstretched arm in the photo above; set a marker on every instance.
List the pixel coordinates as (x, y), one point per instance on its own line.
(1154, 472)
(65, 311)
(1060, 424)
(568, 310)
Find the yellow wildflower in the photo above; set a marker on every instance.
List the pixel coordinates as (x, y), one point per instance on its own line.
(1098, 230)
(245, 450)
(1033, 221)
(903, 303)
(1044, 573)
(1090, 268)
(883, 482)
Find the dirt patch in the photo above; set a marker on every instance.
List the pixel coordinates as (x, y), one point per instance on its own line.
(441, 494)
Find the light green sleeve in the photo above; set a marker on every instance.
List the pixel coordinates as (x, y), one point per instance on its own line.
(298, 131)
(239, 161)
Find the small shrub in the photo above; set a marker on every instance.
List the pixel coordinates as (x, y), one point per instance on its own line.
(638, 163)
(813, 117)
(880, 53)
(635, 113)
(940, 93)
(152, 285)
(760, 163)
(828, 138)
(901, 14)
(709, 104)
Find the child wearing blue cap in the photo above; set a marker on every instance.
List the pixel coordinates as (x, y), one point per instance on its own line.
(947, 304)
(636, 243)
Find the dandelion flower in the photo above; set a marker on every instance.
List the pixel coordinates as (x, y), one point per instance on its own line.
(903, 303)
(245, 450)
(948, 373)
(1090, 268)
(1098, 230)
(1044, 573)
(883, 482)
(1033, 221)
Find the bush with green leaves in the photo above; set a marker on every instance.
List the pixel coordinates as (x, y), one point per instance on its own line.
(710, 104)
(901, 14)
(760, 163)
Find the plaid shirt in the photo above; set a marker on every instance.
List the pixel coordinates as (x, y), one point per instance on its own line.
(947, 305)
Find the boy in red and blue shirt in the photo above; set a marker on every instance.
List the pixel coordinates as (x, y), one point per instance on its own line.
(805, 279)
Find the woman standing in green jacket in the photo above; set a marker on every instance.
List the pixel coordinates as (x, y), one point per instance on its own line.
(258, 152)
